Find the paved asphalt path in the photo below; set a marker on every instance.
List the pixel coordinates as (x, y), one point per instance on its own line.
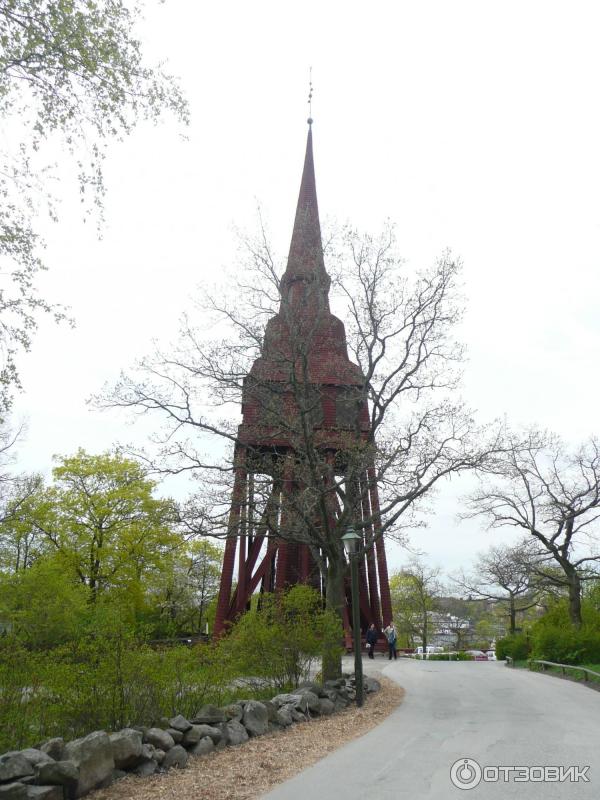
(483, 711)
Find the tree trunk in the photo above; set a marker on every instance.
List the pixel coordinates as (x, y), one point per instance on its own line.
(513, 615)
(332, 660)
(575, 598)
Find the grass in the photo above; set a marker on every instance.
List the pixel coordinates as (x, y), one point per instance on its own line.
(572, 672)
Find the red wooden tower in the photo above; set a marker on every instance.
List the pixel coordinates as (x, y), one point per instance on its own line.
(304, 353)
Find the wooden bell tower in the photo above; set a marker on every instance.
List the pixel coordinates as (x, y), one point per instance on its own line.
(303, 373)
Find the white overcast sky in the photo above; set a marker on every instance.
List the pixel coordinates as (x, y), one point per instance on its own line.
(471, 125)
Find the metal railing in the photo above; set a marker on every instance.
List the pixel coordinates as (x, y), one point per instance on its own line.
(545, 664)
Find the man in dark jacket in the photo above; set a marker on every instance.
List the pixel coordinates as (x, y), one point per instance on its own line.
(372, 637)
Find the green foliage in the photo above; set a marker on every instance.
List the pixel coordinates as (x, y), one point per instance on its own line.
(184, 597)
(458, 656)
(415, 591)
(71, 71)
(555, 638)
(43, 605)
(102, 517)
(462, 656)
(281, 639)
(517, 646)
(99, 534)
(107, 679)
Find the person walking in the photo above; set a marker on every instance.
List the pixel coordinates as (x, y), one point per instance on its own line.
(392, 638)
(372, 636)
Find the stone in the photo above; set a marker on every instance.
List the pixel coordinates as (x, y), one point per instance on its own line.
(118, 775)
(58, 773)
(180, 723)
(208, 715)
(146, 768)
(234, 732)
(313, 687)
(94, 757)
(158, 755)
(175, 757)
(147, 752)
(234, 711)
(44, 793)
(197, 732)
(286, 699)
(298, 716)
(340, 704)
(201, 748)
(326, 707)
(54, 748)
(271, 710)
(176, 735)
(194, 735)
(284, 716)
(371, 684)
(334, 684)
(126, 747)
(256, 718)
(13, 791)
(159, 738)
(309, 700)
(14, 765)
(35, 756)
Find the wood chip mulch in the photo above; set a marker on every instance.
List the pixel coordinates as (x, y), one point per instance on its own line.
(249, 771)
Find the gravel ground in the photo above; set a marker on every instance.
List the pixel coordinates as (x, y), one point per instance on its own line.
(248, 771)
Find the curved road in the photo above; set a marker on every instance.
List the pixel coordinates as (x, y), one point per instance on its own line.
(498, 716)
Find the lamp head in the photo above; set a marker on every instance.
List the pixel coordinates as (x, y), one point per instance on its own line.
(350, 540)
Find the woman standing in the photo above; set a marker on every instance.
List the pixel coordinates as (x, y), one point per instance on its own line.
(392, 637)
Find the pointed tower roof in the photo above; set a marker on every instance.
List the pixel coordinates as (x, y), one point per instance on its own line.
(305, 259)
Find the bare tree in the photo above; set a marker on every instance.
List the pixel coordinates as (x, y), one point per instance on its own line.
(396, 428)
(504, 574)
(554, 496)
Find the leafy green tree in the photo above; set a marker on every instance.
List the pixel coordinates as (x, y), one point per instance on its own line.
(72, 73)
(415, 591)
(188, 585)
(20, 543)
(44, 605)
(102, 517)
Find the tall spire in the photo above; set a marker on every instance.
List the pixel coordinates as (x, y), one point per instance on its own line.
(305, 260)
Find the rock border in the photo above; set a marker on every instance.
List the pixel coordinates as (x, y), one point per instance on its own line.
(56, 770)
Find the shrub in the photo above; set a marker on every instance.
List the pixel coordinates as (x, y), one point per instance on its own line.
(102, 682)
(516, 646)
(566, 645)
(280, 640)
(109, 678)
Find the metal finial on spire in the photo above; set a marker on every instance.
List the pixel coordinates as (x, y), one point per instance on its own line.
(310, 94)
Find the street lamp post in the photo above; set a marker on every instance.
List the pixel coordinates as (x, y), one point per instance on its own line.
(351, 541)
